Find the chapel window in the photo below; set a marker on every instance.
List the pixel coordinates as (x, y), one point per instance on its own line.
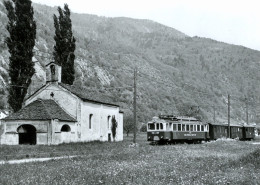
(90, 120)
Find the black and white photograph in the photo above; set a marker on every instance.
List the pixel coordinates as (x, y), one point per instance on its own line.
(130, 92)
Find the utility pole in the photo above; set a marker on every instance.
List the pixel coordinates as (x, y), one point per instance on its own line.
(135, 78)
(214, 115)
(228, 116)
(246, 111)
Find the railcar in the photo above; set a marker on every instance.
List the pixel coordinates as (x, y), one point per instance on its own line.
(173, 129)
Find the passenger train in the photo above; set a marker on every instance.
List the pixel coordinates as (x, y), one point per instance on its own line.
(175, 129)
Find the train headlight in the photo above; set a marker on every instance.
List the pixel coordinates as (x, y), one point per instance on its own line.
(161, 137)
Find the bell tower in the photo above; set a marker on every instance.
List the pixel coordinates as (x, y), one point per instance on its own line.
(53, 72)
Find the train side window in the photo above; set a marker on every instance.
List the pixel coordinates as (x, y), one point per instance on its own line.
(198, 127)
(183, 127)
(174, 127)
(179, 127)
(195, 127)
(206, 127)
(157, 126)
(187, 127)
(191, 127)
(202, 127)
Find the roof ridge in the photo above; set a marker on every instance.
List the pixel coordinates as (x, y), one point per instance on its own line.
(45, 85)
(45, 108)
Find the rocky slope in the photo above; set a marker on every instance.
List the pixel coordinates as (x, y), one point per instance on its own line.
(176, 73)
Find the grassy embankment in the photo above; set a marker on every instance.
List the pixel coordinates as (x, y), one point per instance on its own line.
(221, 162)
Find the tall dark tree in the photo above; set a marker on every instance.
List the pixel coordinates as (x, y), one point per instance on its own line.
(65, 45)
(22, 32)
(114, 127)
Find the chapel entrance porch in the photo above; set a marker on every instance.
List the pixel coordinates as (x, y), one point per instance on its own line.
(27, 134)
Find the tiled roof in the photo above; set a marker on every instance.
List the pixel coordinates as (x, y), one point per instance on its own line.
(87, 96)
(41, 110)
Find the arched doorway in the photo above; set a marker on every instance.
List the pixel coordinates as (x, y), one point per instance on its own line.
(27, 134)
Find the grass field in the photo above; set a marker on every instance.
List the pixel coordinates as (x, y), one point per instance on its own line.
(220, 162)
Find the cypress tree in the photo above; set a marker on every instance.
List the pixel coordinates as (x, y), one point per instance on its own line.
(22, 32)
(113, 127)
(65, 45)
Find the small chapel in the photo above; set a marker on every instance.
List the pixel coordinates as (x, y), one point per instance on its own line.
(56, 113)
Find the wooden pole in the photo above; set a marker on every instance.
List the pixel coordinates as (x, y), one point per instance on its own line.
(135, 78)
(246, 111)
(214, 116)
(228, 116)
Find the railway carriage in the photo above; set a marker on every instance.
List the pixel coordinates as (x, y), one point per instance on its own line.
(236, 131)
(217, 131)
(248, 132)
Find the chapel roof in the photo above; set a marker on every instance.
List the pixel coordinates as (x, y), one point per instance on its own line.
(90, 96)
(41, 110)
(84, 95)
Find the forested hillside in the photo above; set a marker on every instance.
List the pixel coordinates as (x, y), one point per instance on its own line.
(177, 74)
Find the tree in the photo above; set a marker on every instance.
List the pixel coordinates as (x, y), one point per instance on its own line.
(128, 125)
(22, 32)
(114, 127)
(65, 45)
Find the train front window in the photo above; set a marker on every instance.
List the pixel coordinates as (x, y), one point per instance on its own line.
(151, 126)
(161, 126)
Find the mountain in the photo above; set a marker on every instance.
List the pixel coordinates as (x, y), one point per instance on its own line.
(177, 74)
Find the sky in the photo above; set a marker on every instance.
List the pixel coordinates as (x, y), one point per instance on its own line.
(231, 21)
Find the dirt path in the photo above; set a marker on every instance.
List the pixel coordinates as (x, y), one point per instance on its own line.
(19, 161)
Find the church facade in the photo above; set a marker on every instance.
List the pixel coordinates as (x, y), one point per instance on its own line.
(56, 113)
